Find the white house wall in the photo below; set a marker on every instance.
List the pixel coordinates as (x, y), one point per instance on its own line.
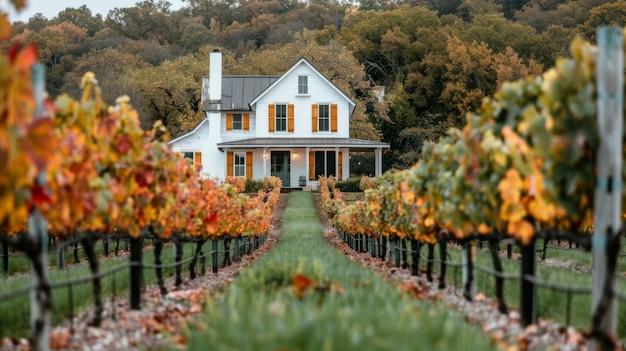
(232, 135)
(214, 163)
(200, 140)
(257, 164)
(298, 166)
(192, 142)
(320, 92)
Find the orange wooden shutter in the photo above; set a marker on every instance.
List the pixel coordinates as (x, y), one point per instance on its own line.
(197, 158)
(249, 165)
(290, 118)
(230, 163)
(340, 166)
(229, 122)
(333, 117)
(311, 165)
(246, 121)
(314, 118)
(270, 118)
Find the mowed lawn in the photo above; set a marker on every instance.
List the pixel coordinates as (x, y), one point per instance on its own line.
(305, 295)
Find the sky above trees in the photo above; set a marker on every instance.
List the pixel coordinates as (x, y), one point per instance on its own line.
(51, 8)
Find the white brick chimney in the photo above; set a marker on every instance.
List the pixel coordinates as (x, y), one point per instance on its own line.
(215, 166)
(215, 78)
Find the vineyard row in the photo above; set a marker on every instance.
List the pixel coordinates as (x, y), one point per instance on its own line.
(544, 155)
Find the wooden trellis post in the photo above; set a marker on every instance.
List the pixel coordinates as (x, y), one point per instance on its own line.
(134, 289)
(528, 290)
(607, 211)
(5, 260)
(469, 283)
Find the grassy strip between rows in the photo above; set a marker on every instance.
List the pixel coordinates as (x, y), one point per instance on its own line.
(305, 295)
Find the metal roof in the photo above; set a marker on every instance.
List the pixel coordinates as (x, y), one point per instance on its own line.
(356, 144)
(237, 91)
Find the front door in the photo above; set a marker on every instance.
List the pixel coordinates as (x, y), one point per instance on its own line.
(281, 166)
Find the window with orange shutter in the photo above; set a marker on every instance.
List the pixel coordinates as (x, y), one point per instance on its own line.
(280, 111)
(323, 118)
(240, 164)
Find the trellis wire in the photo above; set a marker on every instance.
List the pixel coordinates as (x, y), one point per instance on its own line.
(251, 244)
(569, 290)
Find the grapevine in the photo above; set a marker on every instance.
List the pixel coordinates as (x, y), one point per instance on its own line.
(523, 162)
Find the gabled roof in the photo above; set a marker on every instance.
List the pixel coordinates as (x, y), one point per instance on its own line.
(188, 133)
(304, 61)
(237, 91)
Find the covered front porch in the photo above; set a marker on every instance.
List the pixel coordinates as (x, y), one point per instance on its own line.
(298, 162)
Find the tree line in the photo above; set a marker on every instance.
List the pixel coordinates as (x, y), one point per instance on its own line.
(436, 59)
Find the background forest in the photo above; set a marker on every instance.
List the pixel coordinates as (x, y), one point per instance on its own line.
(436, 59)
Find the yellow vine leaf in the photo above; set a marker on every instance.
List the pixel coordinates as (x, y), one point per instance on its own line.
(512, 212)
(500, 158)
(484, 229)
(540, 210)
(510, 186)
(429, 221)
(408, 197)
(534, 184)
(522, 230)
(514, 139)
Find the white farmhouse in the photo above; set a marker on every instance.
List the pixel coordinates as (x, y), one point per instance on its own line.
(294, 126)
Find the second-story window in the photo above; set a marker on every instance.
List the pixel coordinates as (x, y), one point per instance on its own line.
(323, 118)
(281, 118)
(303, 85)
(237, 121)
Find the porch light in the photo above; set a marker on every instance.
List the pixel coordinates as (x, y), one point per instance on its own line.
(295, 155)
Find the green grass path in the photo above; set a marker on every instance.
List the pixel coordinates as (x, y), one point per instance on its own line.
(345, 306)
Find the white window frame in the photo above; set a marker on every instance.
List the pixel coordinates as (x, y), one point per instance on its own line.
(189, 155)
(238, 116)
(239, 164)
(278, 118)
(303, 85)
(323, 121)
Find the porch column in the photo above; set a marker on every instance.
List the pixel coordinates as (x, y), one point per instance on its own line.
(336, 163)
(378, 157)
(225, 164)
(306, 169)
(265, 157)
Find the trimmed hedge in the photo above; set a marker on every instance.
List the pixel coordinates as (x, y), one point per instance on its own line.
(253, 185)
(350, 185)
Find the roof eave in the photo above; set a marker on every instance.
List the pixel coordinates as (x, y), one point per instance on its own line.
(188, 133)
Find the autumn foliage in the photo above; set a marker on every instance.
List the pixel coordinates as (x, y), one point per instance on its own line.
(523, 162)
(102, 172)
